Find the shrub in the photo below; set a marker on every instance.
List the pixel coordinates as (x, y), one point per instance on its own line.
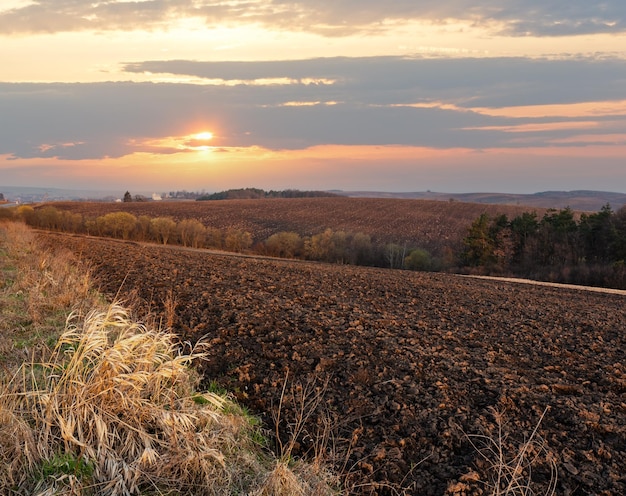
(284, 244)
(213, 237)
(47, 218)
(361, 249)
(418, 259)
(328, 246)
(237, 240)
(142, 229)
(163, 228)
(119, 224)
(192, 232)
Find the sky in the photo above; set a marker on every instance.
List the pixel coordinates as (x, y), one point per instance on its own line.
(452, 96)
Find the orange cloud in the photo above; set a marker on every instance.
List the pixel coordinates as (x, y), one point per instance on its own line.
(586, 109)
(538, 127)
(380, 168)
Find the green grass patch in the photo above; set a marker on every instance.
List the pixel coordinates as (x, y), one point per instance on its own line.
(66, 464)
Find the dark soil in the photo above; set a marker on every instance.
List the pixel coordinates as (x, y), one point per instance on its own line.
(413, 364)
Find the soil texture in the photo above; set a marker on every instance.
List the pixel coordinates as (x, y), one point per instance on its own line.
(412, 367)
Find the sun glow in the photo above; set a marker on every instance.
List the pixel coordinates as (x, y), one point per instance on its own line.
(204, 136)
(199, 141)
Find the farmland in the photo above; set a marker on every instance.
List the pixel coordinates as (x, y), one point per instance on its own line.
(432, 225)
(410, 365)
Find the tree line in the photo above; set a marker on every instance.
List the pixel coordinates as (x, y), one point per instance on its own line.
(589, 249)
(256, 193)
(328, 246)
(559, 247)
(233, 194)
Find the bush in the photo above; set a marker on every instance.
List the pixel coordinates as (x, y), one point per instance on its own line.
(119, 224)
(418, 259)
(237, 240)
(192, 233)
(163, 228)
(284, 244)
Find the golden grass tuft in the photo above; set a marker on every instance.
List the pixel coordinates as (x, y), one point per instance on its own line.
(119, 398)
(298, 479)
(112, 408)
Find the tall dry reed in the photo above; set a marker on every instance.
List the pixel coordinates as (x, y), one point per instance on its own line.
(113, 408)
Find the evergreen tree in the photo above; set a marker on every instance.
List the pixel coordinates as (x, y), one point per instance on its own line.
(599, 235)
(479, 245)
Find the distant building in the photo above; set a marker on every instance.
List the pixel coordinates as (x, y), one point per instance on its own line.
(156, 197)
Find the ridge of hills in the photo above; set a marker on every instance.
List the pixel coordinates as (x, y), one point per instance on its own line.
(580, 200)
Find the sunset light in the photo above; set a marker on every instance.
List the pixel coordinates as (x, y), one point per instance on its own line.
(204, 136)
(402, 96)
(328, 187)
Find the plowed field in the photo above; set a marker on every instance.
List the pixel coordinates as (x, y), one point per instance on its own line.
(414, 362)
(421, 223)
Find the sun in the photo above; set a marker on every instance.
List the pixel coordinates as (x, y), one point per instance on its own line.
(204, 136)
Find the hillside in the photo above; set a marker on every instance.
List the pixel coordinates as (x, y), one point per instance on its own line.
(581, 200)
(421, 223)
(417, 371)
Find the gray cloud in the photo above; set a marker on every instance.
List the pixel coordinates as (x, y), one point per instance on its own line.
(470, 82)
(371, 104)
(77, 121)
(327, 17)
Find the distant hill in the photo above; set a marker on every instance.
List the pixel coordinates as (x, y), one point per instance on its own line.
(581, 200)
(255, 194)
(28, 194)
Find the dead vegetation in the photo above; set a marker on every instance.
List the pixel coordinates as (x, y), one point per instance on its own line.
(408, 357)
(508, 463)
(433, 225)
(412, 362)
(113, 408)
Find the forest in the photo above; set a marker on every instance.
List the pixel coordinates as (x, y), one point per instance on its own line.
(559, 247)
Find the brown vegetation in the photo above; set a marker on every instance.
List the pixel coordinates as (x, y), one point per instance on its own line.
(111, 407)
(432, 225)
(414, 367)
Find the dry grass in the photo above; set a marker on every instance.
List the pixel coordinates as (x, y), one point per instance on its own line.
(509, 465)
(307, 398)
(119, 397)
(113, 409)
(38, 288)
(52, 280)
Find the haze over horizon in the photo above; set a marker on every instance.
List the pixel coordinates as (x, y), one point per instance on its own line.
(451, 96)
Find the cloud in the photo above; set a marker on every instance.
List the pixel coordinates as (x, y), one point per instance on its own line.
(470, 82)
(366, 101)
(326, 17)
